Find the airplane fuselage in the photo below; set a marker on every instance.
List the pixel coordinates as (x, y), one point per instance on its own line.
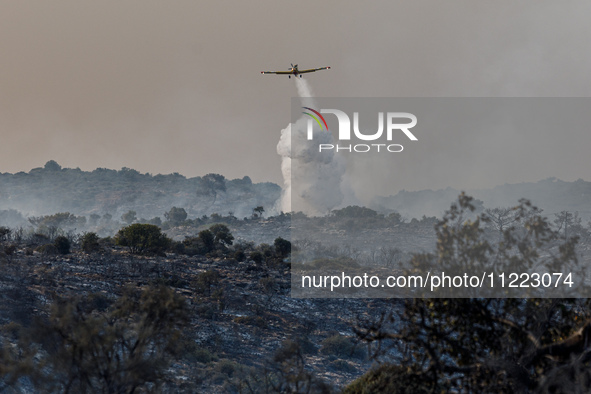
(295, 71)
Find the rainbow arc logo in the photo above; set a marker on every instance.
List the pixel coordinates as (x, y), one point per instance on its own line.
(315, 118)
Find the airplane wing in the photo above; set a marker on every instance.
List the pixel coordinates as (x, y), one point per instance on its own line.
(311, 70)
(276, 72)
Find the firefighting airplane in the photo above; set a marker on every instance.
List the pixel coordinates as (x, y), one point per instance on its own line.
(294, 71)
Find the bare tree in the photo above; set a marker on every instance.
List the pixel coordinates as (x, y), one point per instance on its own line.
(501, 218)
(571, 223)
(124, 348)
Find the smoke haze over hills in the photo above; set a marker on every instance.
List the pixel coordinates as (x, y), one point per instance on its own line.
(166, 88)
(552, 195)
(52, 189)
(45, 191)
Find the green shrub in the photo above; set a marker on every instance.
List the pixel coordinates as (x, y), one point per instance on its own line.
(206, 281)
(206, 311)
(178, 247)
(239, 255)
(62, 245)
(143, 239)
(11, 329)
(10, 249)
(199, 245)
(282, 247)
(227, 367)
(395, 379)
(176, 216)
(46, 250)
(5, 233)
(106, 242)
(257, 257)
(203, 355)
(90, 242)
(195, 353)
(340, 346)
(38, 239)
(171, 281)
(222, 235)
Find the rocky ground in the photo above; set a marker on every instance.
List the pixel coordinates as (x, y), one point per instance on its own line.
(236, 325)
(243, 314)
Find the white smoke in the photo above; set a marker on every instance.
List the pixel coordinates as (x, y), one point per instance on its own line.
(311, 181)
(305, 91)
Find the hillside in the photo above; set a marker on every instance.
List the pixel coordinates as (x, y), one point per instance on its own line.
(50, 189)
(552, 195)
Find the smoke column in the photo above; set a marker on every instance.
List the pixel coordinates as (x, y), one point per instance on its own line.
(311, 181)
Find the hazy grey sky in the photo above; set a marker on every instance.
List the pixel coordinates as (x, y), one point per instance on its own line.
(175, 86)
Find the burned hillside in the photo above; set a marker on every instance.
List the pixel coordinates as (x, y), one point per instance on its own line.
(240, 324)
(210, 299)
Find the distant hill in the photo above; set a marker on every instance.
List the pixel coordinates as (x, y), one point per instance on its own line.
(552, 195)
(51, 189)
